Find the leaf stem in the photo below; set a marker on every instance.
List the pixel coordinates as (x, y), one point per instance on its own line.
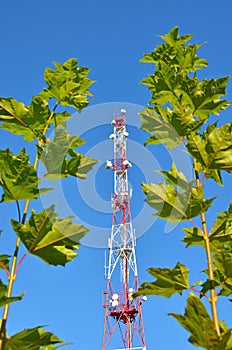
(14, 266)
(203, 177)
(20, 262)
(21, 122)
(213, 296)
(219, 290)
(198, 291)
(195, 224)
(40, 143)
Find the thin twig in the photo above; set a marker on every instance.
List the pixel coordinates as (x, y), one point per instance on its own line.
(203, 178)
(218, 290)
(195, 224)
(198, 291)
(20, 262)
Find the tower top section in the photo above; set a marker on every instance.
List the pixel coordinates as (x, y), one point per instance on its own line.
(119, 119)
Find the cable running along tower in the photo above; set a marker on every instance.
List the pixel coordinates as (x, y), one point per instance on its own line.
(123, 314)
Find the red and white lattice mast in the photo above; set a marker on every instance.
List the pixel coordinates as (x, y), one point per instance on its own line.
(123, 314)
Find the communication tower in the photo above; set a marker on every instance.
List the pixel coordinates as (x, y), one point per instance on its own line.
(122, 312)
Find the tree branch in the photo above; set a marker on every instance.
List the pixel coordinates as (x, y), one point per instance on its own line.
(14, 267)
(213, 296)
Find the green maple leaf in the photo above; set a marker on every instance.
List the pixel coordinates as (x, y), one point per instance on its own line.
(173, 205)
(11, 109)
(168, 281)
(53, 240)
(175, 177)
(29, 121)
(196, 101)
(222, 226)
(203, 97)
(192, 103)
(156, 121)
(163, 84)
(174, 52)
(214, 174)
(31, 339)
(61, 118)
(68, 84)
(18, 178)
(14, 117)
(226, 339)
(183, 121)
(61, 160)
(78, 165)
(188, 102)
(54, 152)
(187, 59)
(213, 149)
(173, 38)
(193, 236)
(174, 60)
(199, 324)
(38, 115)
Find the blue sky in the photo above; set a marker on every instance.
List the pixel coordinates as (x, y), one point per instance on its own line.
(109, 37)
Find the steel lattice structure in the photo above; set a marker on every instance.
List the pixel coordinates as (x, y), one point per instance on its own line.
(122, 312)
